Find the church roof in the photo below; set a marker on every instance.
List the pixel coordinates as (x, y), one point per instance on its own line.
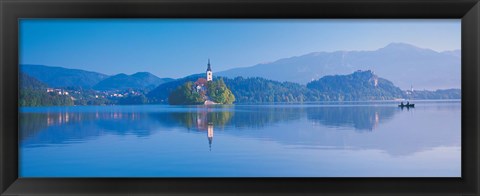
(201, 81)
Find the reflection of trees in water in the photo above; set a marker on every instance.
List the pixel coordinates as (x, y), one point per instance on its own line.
(259, 117)
(244, 117)
(72, 126)
(196, 120)
(32, 123)
(38, 129)
(47, 128)
(359, 117)
(60, 127)
(203, 119)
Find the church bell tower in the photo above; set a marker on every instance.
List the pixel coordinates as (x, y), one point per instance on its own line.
(209, 72)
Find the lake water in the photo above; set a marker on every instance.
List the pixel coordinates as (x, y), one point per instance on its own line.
(353, 139)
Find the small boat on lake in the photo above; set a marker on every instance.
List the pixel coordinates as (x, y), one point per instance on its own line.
(408, 105)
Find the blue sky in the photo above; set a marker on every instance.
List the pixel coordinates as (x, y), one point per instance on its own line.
(179, 47)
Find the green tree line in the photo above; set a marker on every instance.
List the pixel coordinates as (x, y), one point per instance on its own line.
(37, 97)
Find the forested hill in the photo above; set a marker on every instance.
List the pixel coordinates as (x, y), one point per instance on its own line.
(246, 90)
(161, 93)
(360, 85)
(33, 93)
(261, 90)
(29, 82)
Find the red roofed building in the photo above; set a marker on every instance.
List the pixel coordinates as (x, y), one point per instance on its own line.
(201, 82)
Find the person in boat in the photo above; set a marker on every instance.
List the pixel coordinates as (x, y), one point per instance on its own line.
(401, 104)
(408, 103)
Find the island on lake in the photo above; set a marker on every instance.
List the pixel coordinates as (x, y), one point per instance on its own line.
(203, 91)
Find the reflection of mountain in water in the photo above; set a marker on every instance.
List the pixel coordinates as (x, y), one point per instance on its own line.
(361, 118)
(288, 125)
(259, 117)
(65, 126)
(357, 117)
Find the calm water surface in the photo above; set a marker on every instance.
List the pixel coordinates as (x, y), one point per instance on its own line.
(311, 140)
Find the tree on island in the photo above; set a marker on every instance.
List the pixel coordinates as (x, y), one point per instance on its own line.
(185, 95)
(216, 91)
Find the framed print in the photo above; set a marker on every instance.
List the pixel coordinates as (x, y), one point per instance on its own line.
(219, 97)
(297, 116)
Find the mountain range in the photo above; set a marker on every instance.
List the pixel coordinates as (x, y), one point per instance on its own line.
(403, 64)
(139, 80)
(62, 77)
(58, 77)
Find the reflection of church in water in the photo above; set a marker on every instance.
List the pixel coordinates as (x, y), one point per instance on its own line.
(202, 120)
(203, 124)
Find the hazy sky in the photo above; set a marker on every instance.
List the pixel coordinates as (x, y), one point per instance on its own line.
(177, 47)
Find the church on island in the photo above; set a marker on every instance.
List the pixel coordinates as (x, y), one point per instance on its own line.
(203, 90)
(201, 85)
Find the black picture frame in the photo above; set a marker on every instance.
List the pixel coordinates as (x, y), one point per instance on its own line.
(466, 10)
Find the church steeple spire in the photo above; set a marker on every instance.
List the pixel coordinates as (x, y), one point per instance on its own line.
(209, 72)
(209, 68)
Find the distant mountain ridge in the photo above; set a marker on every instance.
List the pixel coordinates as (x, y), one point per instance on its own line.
(403, 64)
(65, 77)
(456, 53)
(62, 77)
(139, 80)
